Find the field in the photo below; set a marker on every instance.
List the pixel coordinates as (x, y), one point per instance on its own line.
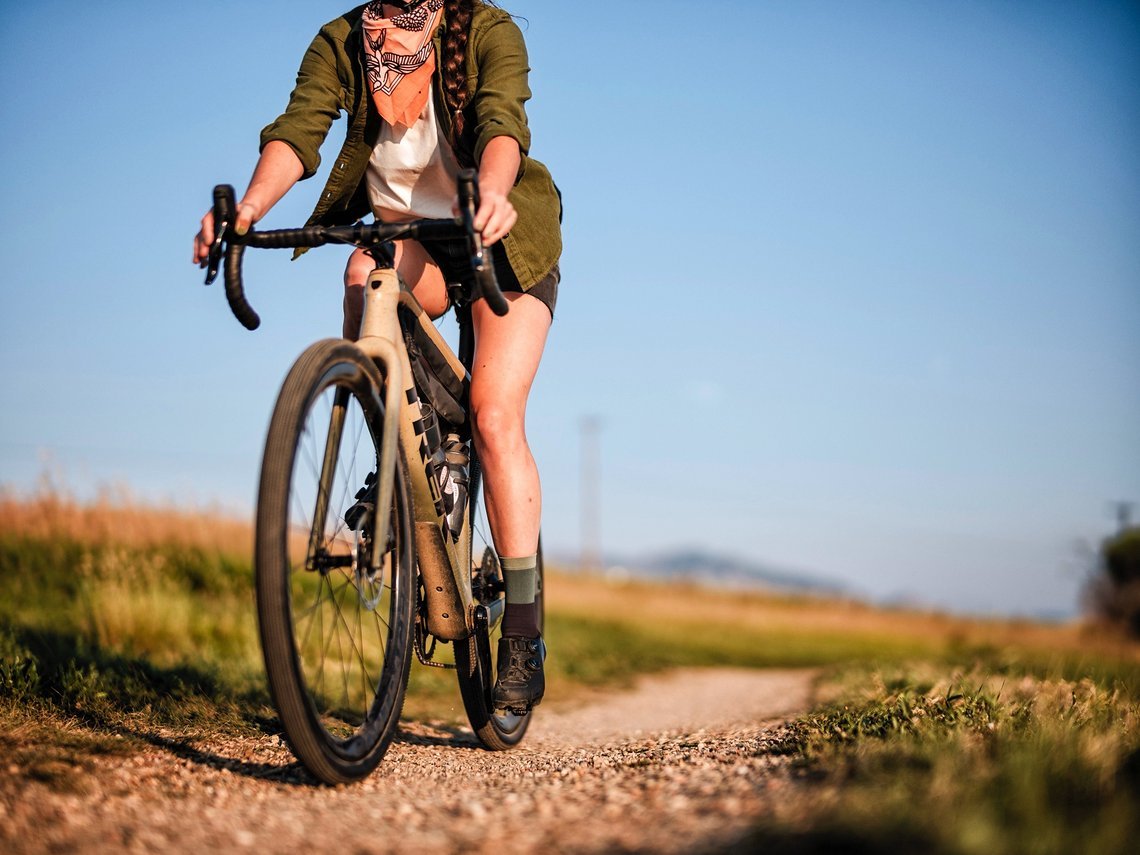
(123, 626)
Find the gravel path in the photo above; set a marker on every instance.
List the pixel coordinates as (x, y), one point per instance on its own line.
(680, 762)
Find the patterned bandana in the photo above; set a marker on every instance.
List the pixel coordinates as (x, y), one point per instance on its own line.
(399, 58)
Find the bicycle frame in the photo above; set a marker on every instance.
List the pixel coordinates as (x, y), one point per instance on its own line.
(446, 581)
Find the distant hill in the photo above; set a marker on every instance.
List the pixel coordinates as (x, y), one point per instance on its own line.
(708, 568)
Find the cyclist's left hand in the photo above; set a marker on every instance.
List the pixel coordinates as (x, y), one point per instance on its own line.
(495, 217)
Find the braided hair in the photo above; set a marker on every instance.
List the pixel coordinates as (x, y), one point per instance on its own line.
(453, 65)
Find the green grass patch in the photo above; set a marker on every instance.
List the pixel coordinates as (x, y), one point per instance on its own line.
(981, 762)
(115, 636)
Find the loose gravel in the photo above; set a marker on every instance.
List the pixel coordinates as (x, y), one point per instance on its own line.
(682, 761)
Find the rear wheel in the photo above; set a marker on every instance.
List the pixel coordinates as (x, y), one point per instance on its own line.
(335, 633)
(475, 657)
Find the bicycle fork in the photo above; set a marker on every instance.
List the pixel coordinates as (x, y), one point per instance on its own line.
(447, 583)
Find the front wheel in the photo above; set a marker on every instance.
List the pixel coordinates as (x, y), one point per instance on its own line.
(335, 631)
(475, 657)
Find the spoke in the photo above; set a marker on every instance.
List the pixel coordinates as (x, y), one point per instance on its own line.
(319, 676)
(330, 453)
(309, 630)
(331, 633)
(308, 455)
(363, 666)
(340, 658)
(382, 626)
(313, 607)
(390, 570)
(328, 635)
(348, 629)
(349, 484)
(479, 528)
(306, 460)
(307, 448)
(350, 477)
(380, 642)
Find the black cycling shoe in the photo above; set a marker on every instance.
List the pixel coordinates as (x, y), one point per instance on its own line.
(520, 684)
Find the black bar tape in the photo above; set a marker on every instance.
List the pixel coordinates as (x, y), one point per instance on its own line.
(235, 294)
(489, 285)
(224, 205)
(287, 238)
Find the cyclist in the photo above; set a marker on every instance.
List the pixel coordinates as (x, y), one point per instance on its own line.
(430, 87)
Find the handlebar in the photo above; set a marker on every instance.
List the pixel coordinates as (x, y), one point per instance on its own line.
(228, 248)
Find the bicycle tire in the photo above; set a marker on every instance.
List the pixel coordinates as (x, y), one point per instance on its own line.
(338, 689)
(497, 731)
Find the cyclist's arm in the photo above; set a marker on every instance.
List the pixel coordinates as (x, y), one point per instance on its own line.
(501, 133)
(503, 87)
(289, 145)
(277, 170)
(497, 171)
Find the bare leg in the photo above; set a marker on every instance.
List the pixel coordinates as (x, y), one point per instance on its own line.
(417, 269)
(355, 275)
(507, 353)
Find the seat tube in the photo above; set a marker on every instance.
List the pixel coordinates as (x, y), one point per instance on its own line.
(381, 297)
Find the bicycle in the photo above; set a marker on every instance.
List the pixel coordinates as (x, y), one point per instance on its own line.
(364, 537)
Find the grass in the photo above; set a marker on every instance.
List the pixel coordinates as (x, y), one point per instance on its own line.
(59, 754)
(934, 733)
(902, 760)
(118, 621)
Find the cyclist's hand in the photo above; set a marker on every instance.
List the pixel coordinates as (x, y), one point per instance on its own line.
(247, 216)
(495, 217)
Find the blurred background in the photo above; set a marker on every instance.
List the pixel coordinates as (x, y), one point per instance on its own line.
(851, 291)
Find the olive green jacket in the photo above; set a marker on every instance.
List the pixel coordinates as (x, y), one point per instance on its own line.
(331, 80)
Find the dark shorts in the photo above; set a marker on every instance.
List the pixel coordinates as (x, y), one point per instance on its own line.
(453, 261)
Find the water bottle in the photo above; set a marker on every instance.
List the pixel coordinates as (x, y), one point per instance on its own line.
(456, 461)
(449, 461)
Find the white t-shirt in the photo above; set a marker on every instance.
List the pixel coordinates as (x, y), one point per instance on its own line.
(412, 172)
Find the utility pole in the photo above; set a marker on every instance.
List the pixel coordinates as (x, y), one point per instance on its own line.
(590, 493)
(1123, 515)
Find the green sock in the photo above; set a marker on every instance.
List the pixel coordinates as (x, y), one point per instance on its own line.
(520, 574)
(521, 578)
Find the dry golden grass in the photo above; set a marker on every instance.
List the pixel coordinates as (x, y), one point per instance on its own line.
(685, 608)
(116, 518)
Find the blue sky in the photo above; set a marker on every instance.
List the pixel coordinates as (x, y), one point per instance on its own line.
(853, 286)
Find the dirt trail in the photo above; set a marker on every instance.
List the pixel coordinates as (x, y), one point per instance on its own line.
(679, 762)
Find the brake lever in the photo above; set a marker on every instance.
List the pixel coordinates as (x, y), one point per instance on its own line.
(481, 264)
(217, 249)
(225, 210)
(468, 206)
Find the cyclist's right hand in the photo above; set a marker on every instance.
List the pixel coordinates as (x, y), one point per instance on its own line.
(246, 217)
